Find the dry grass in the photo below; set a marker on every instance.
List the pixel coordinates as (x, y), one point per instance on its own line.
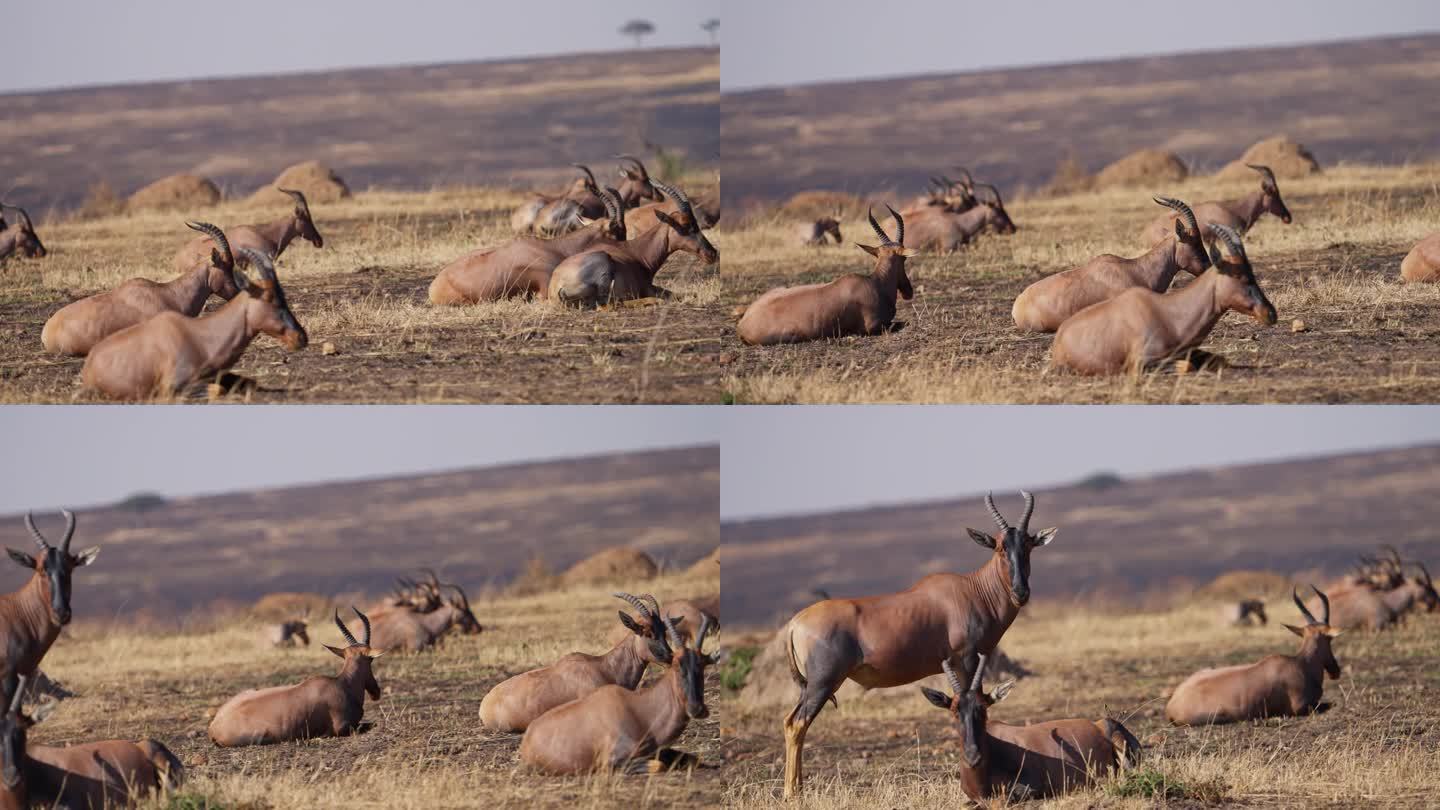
(1374, 748)
(428, 749)
(365, 294)
(1366, 337)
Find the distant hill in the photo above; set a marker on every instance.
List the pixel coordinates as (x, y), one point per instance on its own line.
(515, 122)
(1367, 101)
(1116, 540)
(475, 526)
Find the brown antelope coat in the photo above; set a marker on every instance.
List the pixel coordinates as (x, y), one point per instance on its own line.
(77, 327)
(269, 238)
(853, 304)
(408, 630)
(1140, 327)
(1238, 215)
(1422, 263)
(19, 236)
(941, 230)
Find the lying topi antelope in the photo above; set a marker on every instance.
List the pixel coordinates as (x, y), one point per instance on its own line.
(77, 327)
(108, 773)
(614, 728)
(1238, 215)
(1421, 264)
(1367, 607)
(899, 638)
(1030, 761)
(513, 704)
(31, 618)
(19, 237)
(1047, 303)
(319, 706)
(270, 238)
(555, 208)
(292, 633)
(170, 352)
(1140, 327)
(939, 229)
(853, 304)
(521, 268)
(402, 630)
(819, 232)
(623, 271)
(1275, 686)
(689, 614)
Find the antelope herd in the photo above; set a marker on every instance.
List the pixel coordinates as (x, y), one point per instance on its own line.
(582, 713)
(952, 623)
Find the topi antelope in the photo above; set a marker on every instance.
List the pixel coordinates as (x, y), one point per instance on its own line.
(319, 706)
(1044, 305)
(899, 638)
(402, 630)
(77, 327)
(1140, 327)
(853, 304)
(688, 613)
(1275, 686)
(292, 633)
(939, 229)
(108, 773)
(1029, 761)
(636, 185)
(819, 232)
(513, 704)
(1238, 215)
(31, 618)
(550, 216)
(1422, 263)
(270, 238)
(170, 352)
(1368, 607)
(614, 728)
(1245, 613)
(622, 271)
(19, 236)
(521, 268)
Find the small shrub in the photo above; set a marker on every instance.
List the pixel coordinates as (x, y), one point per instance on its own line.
(1101, 481)
(202, 801)
(737, 668)
(1151, 783)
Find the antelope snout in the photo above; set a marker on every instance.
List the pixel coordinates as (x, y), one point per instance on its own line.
(1265, 313)
(296, 339)
(1020, 596)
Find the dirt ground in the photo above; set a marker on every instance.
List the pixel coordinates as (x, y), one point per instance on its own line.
(1348, 331)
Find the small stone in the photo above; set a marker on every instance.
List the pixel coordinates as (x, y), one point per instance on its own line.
(327, 348)
(1298, 325)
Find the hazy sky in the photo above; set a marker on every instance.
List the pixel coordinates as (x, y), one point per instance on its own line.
(63, 43)
(779, 43)
(794, 460)
(76, 456)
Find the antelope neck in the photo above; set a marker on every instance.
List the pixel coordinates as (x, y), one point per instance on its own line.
(1157, 267)
(189, 291)
(625, 662)
(280, 233)
(1193, 311)
(1248, 208)
(225, 333)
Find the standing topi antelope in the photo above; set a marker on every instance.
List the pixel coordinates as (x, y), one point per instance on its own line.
(1245, 613)
(31, 618)
(270, 238)
(819, 232)
(624, 271)
(513, 704)
(292, 633)
(1422, 263)
(853, 304)
(319, 706)
(77, 327)
(170, 352)
(899, 638)
(1238, 215)
(19, 236)
(1047, 303)
(1029, 761)
(614, 728)
(1275, 686)
(108, 773)
(942, 230)
(1140, 327)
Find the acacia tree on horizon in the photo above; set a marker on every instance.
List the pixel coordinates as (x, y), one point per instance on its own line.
(711, 26)
(639, 29)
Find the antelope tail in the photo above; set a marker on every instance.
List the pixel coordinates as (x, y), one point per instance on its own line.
(795, 674)
(1123, 740)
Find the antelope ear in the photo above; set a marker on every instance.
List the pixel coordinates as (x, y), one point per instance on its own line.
(21, 558)
(335, 650)
(585, 221)
(908, 252)
(719, 656)
(1215, 255)
(1333, 632)
(665, 218)
(629, 175)
(873, 251)
(372, 653)
(998, 693)
(1044, 537)
(87, 556)
(1292, 628)
(630, 624)
(1179, 228)
(982, 538)
(937, 699)
(216, 260)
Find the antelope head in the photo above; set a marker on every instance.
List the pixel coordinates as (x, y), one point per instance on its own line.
(1238, 288)
(891, 251)
(689, 664)
(222, 261)
(960, 196)
(269, 311)
(464, 617)
(685, 225)
(303, 223)
(636, 184)
(1190, 253)
(55, 563)
(995, 214)
(28, 243)
(1254, 607)
(969, 708)
(1425, 588)
(650, 627)
(828, 226)
(1014, 544)
(1316, 635)
(586, 183)
(358, 653)
(298, 629)
(1271, 202)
